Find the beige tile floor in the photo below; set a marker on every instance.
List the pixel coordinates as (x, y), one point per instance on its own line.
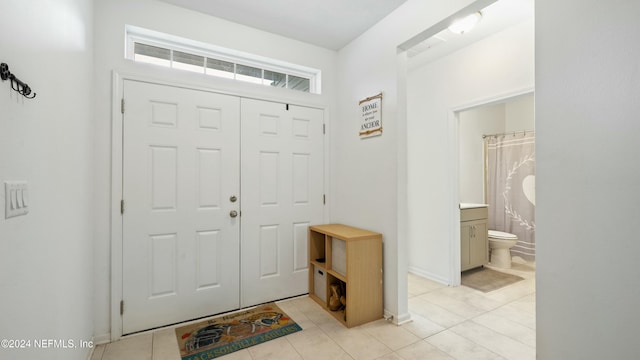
(447, 323)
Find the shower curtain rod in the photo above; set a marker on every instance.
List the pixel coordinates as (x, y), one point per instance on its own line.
(508, 133)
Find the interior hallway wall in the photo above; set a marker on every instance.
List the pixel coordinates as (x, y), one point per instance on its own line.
(368, 179)
(587, 176)
(497, 66)
(46, 256)
(110, 21)
(520, 114)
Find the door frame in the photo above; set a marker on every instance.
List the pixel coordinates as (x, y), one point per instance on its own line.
(453, 125)
(206, 83)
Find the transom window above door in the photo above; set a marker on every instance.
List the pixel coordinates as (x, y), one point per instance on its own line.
(152, 47)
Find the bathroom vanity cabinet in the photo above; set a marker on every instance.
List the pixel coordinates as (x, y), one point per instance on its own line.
(474, 242)
(351, 258)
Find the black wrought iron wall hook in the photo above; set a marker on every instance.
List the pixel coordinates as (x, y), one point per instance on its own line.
(16, 84)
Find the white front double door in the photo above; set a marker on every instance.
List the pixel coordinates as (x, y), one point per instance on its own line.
(218, 194)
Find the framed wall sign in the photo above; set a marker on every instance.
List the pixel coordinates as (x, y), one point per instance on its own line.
(371, 116)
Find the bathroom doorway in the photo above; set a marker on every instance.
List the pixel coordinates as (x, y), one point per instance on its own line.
(497, 168)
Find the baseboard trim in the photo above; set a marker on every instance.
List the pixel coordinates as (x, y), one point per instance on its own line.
(397, 319)
(428, 275)
(102, 339)
(403, 319)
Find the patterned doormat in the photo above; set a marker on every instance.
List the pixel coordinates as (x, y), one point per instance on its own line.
(485, 279)
(228, 333)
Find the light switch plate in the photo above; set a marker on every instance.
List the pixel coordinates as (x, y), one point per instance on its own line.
(16, 198)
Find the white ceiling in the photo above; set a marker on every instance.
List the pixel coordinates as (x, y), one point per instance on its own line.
(496, 17)
(327, 23)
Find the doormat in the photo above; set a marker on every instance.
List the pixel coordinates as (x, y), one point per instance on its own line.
(228, 333)
(486, 280)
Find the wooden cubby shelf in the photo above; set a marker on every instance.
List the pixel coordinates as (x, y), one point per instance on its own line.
(352, 257)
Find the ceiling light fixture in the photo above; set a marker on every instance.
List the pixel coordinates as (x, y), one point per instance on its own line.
(465, 24)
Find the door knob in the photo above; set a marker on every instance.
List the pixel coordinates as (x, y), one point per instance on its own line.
(233, 198)
(233, 213)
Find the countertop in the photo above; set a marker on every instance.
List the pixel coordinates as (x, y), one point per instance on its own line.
(472, 206)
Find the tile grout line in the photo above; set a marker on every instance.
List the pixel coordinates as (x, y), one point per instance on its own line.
(292, 346)
(498, 332)
(153, 338)
(102, 354)
(330, 338)
(464, 337)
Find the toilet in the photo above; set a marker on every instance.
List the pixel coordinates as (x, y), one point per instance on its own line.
(500, 244)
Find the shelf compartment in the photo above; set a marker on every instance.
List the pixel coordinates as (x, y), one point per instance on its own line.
(317, 247)
(339, 256)
(340, 315)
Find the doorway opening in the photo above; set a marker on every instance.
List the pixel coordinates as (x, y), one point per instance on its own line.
(496, 147)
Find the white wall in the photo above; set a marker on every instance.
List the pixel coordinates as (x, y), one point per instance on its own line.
(369, 176)
(111, 18)
(473, 124)
(520, 114)
(587, 128)
(46, 256)
(497, 66)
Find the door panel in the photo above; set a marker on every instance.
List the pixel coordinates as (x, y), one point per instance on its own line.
(282, 194)
(180, 167)
(478, 248)
(182, 249)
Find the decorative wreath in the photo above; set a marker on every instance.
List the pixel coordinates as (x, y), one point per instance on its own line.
(508, 207)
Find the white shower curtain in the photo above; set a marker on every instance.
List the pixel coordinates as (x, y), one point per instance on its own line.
(511, 189)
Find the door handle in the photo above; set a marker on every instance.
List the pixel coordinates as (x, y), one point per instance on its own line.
(233, 198)
(233, 213)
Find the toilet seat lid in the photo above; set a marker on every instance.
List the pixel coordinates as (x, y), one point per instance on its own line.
(501, 235)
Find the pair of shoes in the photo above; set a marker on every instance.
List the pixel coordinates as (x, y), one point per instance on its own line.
(336, 300)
